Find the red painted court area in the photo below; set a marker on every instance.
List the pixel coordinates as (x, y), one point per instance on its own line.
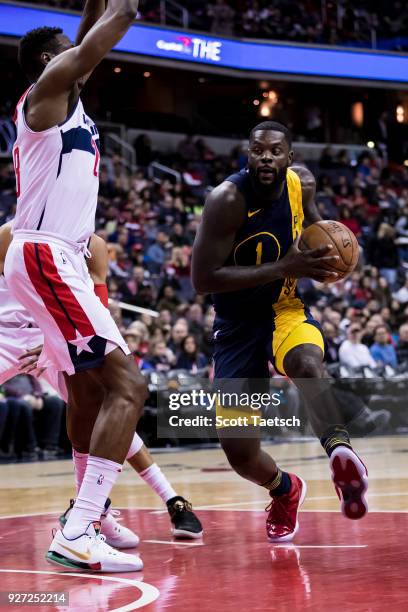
(334, 565)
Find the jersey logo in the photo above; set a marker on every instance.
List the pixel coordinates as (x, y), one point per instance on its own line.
(251, 213)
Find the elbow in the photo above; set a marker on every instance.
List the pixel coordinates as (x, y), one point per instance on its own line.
(200, 285)
(127, 11)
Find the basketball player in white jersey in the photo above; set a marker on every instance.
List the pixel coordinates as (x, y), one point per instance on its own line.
(18, 334)
(56, 161)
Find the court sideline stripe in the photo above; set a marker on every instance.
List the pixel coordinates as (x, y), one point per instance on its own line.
(149, 592)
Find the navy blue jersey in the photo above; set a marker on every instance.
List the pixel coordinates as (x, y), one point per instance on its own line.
(266, 236)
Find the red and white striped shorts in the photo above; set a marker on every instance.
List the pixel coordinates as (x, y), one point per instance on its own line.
(49, 277)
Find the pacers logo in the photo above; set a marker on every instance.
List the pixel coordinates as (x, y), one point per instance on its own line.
(262, 247)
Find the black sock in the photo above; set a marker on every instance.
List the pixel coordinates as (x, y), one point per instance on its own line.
(280, 484)
(334, 437)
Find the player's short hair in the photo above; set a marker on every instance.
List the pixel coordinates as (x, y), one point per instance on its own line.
(32, 45)
(273, 126)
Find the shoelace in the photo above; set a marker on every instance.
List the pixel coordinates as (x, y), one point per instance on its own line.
(98, 541)
(115, 513)
(282, 508)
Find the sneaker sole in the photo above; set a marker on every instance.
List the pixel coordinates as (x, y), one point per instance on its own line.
(62, 561)
(349, 476)
(290, 536)
(58, 559)
(181, 534)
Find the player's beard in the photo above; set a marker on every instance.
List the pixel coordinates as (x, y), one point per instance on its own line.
(268, 190)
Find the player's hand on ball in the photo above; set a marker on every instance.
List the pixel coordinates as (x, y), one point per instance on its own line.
(310, 263)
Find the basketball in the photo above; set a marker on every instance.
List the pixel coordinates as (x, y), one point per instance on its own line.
(344, 243)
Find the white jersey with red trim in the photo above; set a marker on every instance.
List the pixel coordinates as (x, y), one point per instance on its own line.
(11, 311)
(57, 175)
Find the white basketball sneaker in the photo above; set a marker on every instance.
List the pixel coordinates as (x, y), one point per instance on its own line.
(90, 552)
(116, 535)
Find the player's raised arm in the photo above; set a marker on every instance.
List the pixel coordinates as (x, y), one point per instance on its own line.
(93, 10)
(224, 213)
(66, 68)
(308, 183)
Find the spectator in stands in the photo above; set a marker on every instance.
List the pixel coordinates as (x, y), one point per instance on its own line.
(143, 150)
(156, 253)
(402, 344)
(382, 350)
(383, 253)
(168, 300)
(222, 17)
(134, 338)
(41, 413)
(402, 294)
(187, 149)
(189, 356)
(352, 352)
(178, 333)
(162, 359)
(17, 434)
(350, 221)
(332, 343)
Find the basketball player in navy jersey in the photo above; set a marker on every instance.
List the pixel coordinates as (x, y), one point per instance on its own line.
(246, 254)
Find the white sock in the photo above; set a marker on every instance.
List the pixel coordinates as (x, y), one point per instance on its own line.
(80, 461)
(99, 478)
(154, 477)
(135, 446)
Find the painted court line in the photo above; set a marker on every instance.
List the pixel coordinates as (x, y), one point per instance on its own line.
(174, 542)
(149, 592)
(294, 546)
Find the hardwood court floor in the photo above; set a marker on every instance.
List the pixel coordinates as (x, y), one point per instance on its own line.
(332, 564)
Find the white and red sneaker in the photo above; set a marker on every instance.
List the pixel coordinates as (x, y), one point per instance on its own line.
(350, 478)
(116, 534)
(282, 523)
(90, 552)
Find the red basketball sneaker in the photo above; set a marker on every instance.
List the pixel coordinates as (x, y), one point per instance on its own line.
(282, 523)
(349, 476)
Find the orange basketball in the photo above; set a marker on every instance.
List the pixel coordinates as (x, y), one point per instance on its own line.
(344, 243)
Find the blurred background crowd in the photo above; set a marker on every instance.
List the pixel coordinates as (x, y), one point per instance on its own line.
(149, 217)
(375, 23)
(150, 229)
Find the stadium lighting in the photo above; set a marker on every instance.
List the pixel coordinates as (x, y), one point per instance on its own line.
(255, 102)
(146, 75)
(265, 110)
(370, 144)
(273, 96)
(400, 114)
(357, 114)
(117, 69)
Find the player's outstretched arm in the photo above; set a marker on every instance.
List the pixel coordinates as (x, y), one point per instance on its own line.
(224, 213)
(68, 67)
(308, 183)
(93, 10)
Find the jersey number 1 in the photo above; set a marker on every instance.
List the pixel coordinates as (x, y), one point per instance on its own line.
(258, 253)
